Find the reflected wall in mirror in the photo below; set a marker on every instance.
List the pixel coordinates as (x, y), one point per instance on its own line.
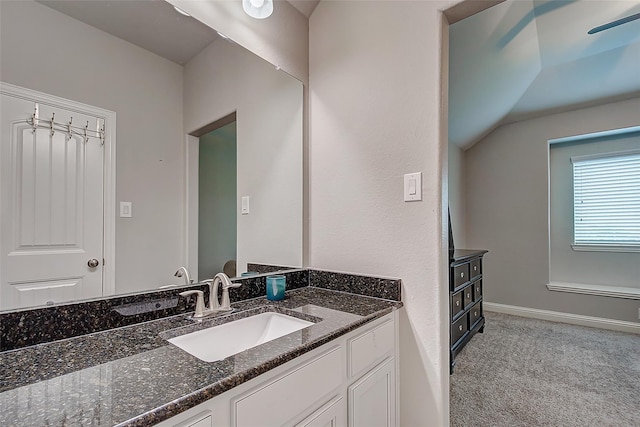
(184, 78)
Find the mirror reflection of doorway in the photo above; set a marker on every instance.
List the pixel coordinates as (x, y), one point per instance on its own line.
(217, 188)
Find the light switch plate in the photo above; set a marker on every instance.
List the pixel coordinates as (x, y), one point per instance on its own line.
(245, 205)
(413, 187)
(125, 210)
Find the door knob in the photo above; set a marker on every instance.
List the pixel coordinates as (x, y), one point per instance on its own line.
(93, 263)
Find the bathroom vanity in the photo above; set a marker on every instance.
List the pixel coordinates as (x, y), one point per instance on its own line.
(342, 369)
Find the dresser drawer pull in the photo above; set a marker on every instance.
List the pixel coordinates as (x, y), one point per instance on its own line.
(475, 313)
(469, 295)
(462, 274)
(457, 303)
(475, 268)
(460, 328)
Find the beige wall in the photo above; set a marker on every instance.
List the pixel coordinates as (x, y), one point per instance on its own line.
(268, 105)
(145, 91)
(375, 115)
(507, 209)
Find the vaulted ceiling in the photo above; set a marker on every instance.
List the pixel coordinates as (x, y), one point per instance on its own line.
(521, 59)
(138, 21)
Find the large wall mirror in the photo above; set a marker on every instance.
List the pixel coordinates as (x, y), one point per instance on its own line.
(205, 140)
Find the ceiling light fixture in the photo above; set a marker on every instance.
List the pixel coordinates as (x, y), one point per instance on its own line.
(180, 11)
(258, 9)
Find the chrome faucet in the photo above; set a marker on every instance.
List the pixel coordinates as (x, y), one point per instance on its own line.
(183, 272)
(215, 306)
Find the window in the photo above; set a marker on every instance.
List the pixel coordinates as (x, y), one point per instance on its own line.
(606, 201)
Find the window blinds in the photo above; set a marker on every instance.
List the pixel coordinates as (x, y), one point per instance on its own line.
(606, 199)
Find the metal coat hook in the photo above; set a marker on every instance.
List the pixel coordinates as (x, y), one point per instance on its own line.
(101, 132)
(53, 116)
(69, 132)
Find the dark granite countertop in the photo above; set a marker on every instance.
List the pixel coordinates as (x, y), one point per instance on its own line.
(132, 376)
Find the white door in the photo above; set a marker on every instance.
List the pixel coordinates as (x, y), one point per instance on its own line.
(51, 206)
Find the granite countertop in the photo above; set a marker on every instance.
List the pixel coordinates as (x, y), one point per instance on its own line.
(131, 376)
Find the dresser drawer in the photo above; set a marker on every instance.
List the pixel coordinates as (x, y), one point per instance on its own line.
(460, 275)
(477, 290)
(467, 296)
(475, 268)
(475, 313)
(369, 348)
(456, 304)
(458, 329)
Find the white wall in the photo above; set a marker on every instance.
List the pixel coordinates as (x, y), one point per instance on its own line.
(457, 203)
(565, 264)
(269, 143)
(47, 51)
(507, 209)
(375, 110)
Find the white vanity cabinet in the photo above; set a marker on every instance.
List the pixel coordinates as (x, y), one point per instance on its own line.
(350, 381)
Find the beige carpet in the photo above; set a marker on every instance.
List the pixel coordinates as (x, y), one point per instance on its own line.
(526, 372)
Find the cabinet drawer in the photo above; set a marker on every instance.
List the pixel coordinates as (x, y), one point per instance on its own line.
(458, 329)
(460, 275)
(277, 402)
(467, 296)
(372, 346)
(476, 268)
(456, 304)
(475, 313)
(477, 289)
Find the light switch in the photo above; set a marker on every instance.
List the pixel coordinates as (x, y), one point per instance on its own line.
(125, 209)
(245, 205)
(413, 187)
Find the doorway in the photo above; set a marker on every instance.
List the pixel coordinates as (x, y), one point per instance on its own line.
(217, 212)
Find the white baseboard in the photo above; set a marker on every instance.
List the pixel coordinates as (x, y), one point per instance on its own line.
(556, 316)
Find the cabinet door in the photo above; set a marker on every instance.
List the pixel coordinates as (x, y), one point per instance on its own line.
(330, 415)
(372, 399)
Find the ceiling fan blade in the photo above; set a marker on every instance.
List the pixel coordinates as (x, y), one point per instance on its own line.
(614, 23)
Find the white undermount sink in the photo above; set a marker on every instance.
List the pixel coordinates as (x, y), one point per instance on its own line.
(218, 342)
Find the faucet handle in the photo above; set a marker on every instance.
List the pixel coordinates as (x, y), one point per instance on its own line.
(230, 284)
(226, 301)
(199, 302)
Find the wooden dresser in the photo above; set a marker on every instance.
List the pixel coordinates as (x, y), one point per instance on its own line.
(465, 298)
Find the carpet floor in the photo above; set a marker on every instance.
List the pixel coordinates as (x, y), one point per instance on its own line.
(528, 372)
